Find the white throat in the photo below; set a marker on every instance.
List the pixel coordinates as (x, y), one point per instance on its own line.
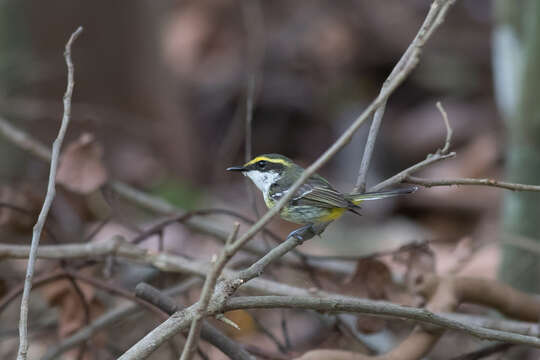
(263, 180)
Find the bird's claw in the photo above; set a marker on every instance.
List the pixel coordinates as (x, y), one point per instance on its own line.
(297, 234)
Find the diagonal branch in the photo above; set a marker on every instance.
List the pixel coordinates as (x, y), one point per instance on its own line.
(38, 227)
(433, 20)
(208, 290)
(209, 333)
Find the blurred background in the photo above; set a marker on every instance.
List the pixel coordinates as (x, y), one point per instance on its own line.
(161, 89)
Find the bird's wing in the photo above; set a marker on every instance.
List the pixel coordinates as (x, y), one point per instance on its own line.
(318, 192)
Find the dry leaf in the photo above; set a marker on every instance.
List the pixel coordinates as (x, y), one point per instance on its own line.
(418, 260)
(62, 295)
(455, 259)
(81, 169)
(19, 207)
(241, 318)
(372, 277)
(369, 324)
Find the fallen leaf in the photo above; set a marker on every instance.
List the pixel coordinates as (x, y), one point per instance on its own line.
(371, 277)
(243, 319)
(418, 261)
(19, 207)
(81, 169)
(62, 295)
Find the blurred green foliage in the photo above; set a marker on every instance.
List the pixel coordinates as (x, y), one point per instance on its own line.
(179, 193)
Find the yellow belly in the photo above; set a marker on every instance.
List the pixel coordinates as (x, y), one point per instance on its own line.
(304, 214)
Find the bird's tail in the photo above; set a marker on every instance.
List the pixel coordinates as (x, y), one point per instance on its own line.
(358, 198)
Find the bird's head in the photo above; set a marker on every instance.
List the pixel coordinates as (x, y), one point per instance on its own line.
(264, 170)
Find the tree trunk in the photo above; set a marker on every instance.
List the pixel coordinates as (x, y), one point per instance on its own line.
(516, 60)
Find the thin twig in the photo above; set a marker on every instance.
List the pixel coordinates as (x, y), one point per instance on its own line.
(401, 176)
(285, 331)
(411, 246)
(115, 290)
(449, 131)
(206, 294)
(269, 334)
(86, 310)
(441, 154)
(29, 213)
(469, 181)
(38, 227)
(97, 229)
(433, 20)
(253, 19)
(38, 281)
(24, 140)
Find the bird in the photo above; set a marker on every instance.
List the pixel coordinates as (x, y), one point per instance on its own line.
(315, 204)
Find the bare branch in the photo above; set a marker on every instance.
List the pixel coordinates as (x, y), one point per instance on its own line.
(449, 131)
(209, 333)
(401, 176)
(208, 290)
(433, 20)
(469, 181)
(38, 227)
(173, 263)
(255, 43)
(24, 141)
(440, 154)
(355, 305)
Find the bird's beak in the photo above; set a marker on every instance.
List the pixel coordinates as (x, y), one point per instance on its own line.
(236, 168)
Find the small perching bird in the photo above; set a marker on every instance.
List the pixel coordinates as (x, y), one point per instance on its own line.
(315, 204)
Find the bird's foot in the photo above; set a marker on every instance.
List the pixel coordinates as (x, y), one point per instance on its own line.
(308, 231)
(301, 234)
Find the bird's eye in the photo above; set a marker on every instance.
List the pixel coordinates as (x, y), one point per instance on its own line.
(261, 164)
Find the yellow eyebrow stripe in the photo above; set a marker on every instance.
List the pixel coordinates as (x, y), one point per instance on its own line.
(265, 158)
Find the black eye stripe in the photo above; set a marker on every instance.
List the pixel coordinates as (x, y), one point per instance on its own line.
(261, 164)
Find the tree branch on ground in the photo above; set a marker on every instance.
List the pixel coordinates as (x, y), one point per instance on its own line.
(509, 301)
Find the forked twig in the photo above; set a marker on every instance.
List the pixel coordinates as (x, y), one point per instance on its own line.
(433, 20)
(441, 154)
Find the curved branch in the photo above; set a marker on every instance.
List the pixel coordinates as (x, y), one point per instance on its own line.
(377, 308)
